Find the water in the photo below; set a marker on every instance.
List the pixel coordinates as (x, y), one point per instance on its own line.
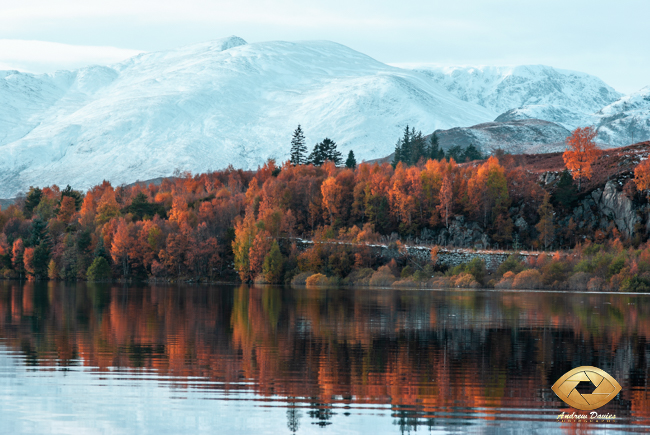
(90, 359)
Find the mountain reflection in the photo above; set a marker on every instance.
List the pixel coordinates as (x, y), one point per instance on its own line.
(424, 354)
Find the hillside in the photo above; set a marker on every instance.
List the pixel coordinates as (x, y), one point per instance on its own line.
(206, 106)
(568, 98)
(626, 120)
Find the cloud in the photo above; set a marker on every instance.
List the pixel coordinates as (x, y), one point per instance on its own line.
(43, 56)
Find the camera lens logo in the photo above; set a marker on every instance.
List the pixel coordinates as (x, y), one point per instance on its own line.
(603, 388)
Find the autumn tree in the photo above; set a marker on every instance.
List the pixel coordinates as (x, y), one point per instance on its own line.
(642, 175)
(245, 232)
(488, 191)
(545, 226)
(272, 267)
(331, 192)
(122, 241)
(107, 208)
(18, 251)
(581, 153)
(67, 209)
(446, 200)
(258, 251)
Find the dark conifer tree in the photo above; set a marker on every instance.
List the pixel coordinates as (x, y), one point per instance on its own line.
(317, 156)
(435, 152)
(298, 147)
(76, 195)
(33, 199)
(456, 153)
(473, 153)
(397, 157)
(418, 147)
(351, 162)
(331, 153)
(325, 151)
(405, 155)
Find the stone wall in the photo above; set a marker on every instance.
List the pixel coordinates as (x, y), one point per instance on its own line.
(448, 256)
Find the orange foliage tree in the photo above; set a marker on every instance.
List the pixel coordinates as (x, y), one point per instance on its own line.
(581, 153)
(642, 175)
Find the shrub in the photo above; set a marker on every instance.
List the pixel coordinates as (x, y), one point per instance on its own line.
(301, 278)
(506, 281)
(317, 280)
(579, 280)
(406, 283)
(512, 264)
(99, 270)
(359, 277)
(553, 272)
(406, 272)
(466, 280)
(383, 277)
(476, 268)
(635, 284)
(595, 284)
(616, 265)
(528, 279)
(421, 275)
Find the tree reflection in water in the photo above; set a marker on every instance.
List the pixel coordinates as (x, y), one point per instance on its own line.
(427, 355)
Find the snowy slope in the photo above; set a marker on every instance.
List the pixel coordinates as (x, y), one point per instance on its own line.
(627, 120)
(207, 106)
(568, 98)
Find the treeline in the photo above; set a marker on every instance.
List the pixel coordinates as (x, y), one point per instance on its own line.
(195, 227)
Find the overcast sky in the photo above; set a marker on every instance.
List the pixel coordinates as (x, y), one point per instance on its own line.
(604, 38)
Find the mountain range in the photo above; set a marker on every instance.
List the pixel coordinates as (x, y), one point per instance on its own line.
(223, 102)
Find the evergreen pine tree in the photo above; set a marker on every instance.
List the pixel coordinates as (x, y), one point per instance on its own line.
(298, 147)
(330, 151)
(405, 155)
(435, 152)
(325, 151)
(318, 155)
(418, 147)
(472, 153)
(545, 226)
(456, 153)
(397, 157)
(351, 162)
(32, 200)
(565, 192)
(78, 197)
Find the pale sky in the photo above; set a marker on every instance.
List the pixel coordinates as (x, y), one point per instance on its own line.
(605, 38)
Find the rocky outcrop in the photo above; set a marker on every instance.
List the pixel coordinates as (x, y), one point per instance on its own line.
(462, 234)
(616, 206)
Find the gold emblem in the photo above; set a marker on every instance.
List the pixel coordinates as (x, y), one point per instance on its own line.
(605, 388)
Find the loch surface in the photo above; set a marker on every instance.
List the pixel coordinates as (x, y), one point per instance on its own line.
(193, 359)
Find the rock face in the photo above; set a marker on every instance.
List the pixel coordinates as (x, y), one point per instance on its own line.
(616, 206)
(462, 234)
(513, 136)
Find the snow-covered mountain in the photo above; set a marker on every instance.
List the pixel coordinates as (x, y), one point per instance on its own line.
(625, 121)
(206, 106)
(568, 98)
